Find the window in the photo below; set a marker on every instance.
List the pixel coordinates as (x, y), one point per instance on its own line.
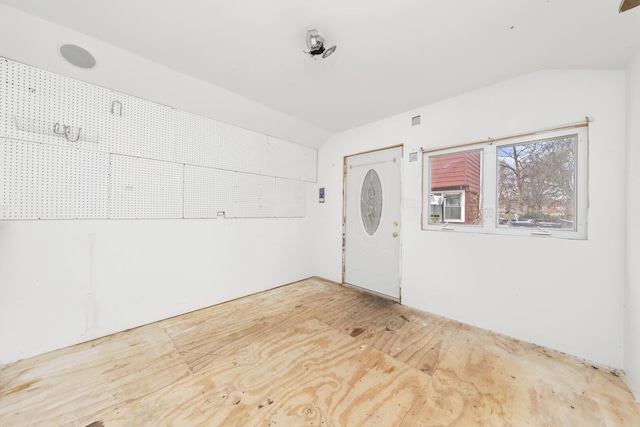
(447, 207)
(535, 185)
(371, 202)
(455, 182)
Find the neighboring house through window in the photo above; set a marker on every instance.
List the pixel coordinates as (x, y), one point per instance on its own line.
(528, 185)
(455, 182)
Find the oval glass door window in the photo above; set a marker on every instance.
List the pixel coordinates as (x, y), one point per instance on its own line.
(371, 202)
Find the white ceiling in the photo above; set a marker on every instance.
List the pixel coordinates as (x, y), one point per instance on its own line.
(392, 56)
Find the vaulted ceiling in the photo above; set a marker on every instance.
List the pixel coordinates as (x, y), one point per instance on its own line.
(392, 56)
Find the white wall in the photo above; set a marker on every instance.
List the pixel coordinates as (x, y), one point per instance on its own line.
(64, 282)
(632, 288)
(563, 294)
(33, 41)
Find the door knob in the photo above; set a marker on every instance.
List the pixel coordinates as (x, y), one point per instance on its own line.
(395, 234)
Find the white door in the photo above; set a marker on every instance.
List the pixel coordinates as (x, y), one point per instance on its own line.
(372, 221)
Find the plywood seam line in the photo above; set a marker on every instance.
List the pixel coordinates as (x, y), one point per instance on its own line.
(173, 343)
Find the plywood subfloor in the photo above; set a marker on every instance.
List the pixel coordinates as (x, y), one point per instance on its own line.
(311, 353)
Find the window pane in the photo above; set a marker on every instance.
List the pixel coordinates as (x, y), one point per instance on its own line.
(371, 202)
(536, 184)
(455, 182)
(452, 213)
(453, 199)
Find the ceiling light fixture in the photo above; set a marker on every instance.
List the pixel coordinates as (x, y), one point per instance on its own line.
(315, 43)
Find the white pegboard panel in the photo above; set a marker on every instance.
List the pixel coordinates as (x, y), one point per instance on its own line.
(290, 198)
(42, 181)
(202, 141)
(69, 179)
(256, 196)
(293, 161)
(140, 128)
(249, 152)
(143, 188)
(40, 106)
(206, 142)
(208, 192)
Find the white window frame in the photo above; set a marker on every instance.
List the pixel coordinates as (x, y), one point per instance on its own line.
(489, 189)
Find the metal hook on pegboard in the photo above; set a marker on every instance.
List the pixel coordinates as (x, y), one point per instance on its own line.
(56, 129)
(113, 103)
(67, 131)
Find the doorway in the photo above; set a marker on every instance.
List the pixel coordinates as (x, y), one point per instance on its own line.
(372, 201)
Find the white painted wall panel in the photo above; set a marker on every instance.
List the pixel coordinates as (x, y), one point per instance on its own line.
(143, 188)
(290, 198)
(632, 249)
(42, 181)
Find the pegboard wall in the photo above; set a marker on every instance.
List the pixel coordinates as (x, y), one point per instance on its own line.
(50, 182)
(39, 106)
(256, 196)
(209, 193)
(201, 141)
(140, 128)
(145, 188)
(70, 149)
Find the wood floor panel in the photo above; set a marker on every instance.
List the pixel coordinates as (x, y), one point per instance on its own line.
(311, 353)
(420, 346)
(226, 329)
(61, 387)
(306, 375)
(418, 339)
(503, 381)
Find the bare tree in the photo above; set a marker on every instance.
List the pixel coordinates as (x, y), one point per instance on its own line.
(537, 177)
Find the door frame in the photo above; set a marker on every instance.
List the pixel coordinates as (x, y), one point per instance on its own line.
(344, 219)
